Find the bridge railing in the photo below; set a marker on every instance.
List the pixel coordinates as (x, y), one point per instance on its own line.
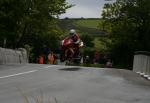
(141, 64)
(8, 56)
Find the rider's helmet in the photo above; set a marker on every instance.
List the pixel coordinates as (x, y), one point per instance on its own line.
(72, 32)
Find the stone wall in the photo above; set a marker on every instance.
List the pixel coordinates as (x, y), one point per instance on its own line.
(8, 56)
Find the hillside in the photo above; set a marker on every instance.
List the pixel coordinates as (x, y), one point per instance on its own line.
(83, 26)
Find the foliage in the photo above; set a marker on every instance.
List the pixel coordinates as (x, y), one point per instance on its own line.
(129, 24)
(32, 22)
(87, 39)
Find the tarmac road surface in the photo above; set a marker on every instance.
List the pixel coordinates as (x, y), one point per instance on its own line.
(71, 84)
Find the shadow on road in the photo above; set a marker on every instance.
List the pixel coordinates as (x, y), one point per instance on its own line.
(70, 69)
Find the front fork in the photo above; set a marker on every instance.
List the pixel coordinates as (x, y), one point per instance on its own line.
(72, 52)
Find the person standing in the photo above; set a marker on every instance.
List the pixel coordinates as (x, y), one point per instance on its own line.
(51, 58)
(41, 59)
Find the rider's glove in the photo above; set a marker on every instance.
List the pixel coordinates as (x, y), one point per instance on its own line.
(77, 42)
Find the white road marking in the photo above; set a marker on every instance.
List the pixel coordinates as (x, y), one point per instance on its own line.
(18, 74)
(7, 76)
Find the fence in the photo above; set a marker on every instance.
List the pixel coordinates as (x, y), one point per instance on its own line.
(141, 64)
(8, 56)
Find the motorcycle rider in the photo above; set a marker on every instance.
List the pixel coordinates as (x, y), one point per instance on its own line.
(75, 40)
(74, 36)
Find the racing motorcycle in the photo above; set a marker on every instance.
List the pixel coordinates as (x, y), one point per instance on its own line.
(70, 52)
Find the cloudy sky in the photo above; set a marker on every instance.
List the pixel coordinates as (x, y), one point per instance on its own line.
(84, 8)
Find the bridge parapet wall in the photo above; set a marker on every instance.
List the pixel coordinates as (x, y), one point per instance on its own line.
(141, 64)
(8, 56)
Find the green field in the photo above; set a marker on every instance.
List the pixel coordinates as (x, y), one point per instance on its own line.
(83, 26)
(91, 23)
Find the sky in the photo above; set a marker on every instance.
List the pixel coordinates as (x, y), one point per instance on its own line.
(84, 8)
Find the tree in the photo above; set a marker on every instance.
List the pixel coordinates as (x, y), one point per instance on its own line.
(129, 25)
(24, 18)
(31, 22)
(87, 39)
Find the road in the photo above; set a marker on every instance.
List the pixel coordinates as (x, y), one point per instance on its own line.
(71, 84)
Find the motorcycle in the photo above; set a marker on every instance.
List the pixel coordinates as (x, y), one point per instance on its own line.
(70, 51)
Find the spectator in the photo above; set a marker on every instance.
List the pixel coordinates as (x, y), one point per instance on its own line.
(87, 59)
(96, 57)
(109, 64)
(52, 58)
(41, 59)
